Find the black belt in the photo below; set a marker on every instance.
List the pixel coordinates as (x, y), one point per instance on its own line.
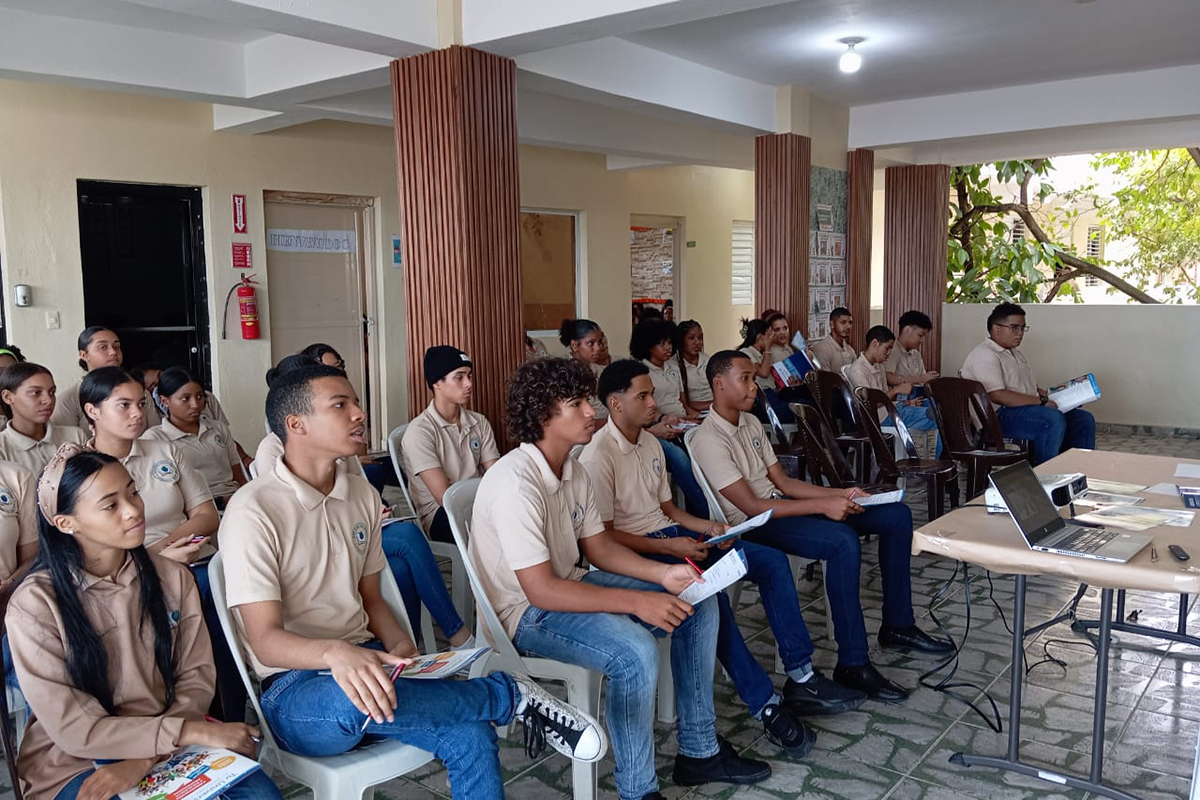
(266, 683)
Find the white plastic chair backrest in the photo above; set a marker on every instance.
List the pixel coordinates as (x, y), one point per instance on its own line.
(393, 443)
(216, 580)
(845, 370)
(576, 451)
(253, 470)
(459, 502)
(714, 506)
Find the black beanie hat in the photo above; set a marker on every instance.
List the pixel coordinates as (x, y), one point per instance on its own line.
(441, 360)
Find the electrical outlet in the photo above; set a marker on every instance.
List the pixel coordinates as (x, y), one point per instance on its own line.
(53, 322)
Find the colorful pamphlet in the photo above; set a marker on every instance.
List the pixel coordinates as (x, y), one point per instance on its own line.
(1075, 392)
(791, 370)
(195, 772)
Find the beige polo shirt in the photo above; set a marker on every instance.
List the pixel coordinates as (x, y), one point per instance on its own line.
(728, 453)
(18, 515)
(698, 390)
(628, 480)
(863, 373)
(833, 356)
(68, 411)
(282, 540)
(756, 357)
(999, 368)
(594, 400)
(460, 450)
(525, 515)
(905, 363)
(34, 454)
(667, 386)
(68, 729)
(270, 450)
(167, 483)
(211, 452)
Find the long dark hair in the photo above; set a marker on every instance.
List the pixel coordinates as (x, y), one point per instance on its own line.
(60, 556)
(85, 339)
(12, 378)
(681, 332)
(751, 330)
(99, 384)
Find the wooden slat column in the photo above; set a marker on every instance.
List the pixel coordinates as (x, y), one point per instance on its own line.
(860, 186)
(456, 164)
(916, 201)
(782, 166)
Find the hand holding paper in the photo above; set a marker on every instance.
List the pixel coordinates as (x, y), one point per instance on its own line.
(738, 530)
(879, 499)
(730, 568)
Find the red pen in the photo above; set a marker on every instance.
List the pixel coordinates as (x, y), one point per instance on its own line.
(255, 739)
(693, 563)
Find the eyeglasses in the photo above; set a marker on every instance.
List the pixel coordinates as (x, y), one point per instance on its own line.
(1015, 328)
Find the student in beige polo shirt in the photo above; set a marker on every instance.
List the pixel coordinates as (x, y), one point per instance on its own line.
(27, 398)
(813, 522)
(206, 443)
(587, 343)
(302, 566)
(534, 517)
(905, 364)
(18, 521)
(129, 680)
(869, 370)
(1025, 409)
(834, 351)
(447, 442)
(98, 347)
(625, 466)
(690, 355)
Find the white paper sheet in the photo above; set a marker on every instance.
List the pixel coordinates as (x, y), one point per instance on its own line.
(880, 498)
(1164, 488)
(730, 568)
(738, 530)
(1187, 471)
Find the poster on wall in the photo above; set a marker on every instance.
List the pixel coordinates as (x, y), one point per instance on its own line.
(291, 240)
(821, 300)
(822, 245)
(239, 213)
(812, 243)
(824, 217)
(241, 256)
(837, 273)
(837, 298)
(820, 273)
(837, 245)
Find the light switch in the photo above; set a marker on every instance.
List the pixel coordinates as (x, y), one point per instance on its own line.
(53, 322)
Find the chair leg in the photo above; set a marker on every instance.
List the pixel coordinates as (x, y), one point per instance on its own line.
(428, 640)
(585, 694)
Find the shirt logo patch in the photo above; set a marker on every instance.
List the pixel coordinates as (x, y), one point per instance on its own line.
(165, 471)
(577, 516)
(8, 503)
(474, 445)
(360, 536)
(757, 443)
(173, 617)
(219, 439)
(656, 465)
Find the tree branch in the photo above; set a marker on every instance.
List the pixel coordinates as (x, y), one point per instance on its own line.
(1194, 152)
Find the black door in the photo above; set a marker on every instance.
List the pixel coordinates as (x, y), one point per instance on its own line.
(143, 271)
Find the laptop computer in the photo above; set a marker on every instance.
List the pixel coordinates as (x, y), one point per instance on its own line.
(1043, 528)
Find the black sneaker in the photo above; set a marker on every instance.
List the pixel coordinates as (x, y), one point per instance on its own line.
(654, 796)
(725, 767)
(818, 696)
(564, 727)
(789, 733)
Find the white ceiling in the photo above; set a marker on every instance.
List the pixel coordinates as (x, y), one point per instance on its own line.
(118, 12)
(915, 48)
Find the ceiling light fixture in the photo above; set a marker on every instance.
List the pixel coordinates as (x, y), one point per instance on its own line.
(850, 60)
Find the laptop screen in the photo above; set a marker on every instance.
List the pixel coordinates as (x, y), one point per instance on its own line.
(1032, 510)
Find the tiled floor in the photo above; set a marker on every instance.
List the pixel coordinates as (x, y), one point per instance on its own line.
(901, 752)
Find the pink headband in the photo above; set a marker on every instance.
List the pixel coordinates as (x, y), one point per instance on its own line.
(51, 478)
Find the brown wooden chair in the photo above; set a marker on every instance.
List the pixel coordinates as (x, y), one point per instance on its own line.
(7, 732)
(822, 455)
(828, 389)
(938, 475)
(957, 404)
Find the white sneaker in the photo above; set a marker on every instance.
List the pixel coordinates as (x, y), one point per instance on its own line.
(469, 644)
(549, 720)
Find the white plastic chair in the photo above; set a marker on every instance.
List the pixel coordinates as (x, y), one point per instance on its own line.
(253, 470)
(341, 777)
(460, 587)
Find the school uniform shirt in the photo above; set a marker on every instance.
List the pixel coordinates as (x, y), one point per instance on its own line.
(833, 356)
(459, 450)
(629, 480)
(270, 450)
(18, 514)
(68, 729)
(729, 453)
(997, 367)
(33, 454)
(168, 484)
(667, 386)
(767, 383)
(863, 373)
(905, 363)
(594, 400)
(284, 541)
(69, 411)
(211, 452)
(525, 515)
(698, 390)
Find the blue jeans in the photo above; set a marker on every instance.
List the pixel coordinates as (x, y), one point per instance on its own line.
(623, 648)
(255, 786)
(1050, 430)
(837, 544)
(680, 467)
(310, 715)
(769, 570)
(419, 578)
(10, 673)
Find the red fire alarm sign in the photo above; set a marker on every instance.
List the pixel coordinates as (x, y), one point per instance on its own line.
(241, 256)
(239, 213)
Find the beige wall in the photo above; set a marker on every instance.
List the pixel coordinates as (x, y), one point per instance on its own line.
(50, 136)
(1141, 355)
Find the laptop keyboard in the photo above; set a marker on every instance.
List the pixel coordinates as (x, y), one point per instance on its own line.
(1085, 540)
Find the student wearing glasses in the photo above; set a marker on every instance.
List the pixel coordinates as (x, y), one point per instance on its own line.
(1024, 408)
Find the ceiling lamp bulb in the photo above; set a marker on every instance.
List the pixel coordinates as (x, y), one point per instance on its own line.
(850, 60)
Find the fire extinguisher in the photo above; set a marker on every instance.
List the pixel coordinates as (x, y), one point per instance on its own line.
(247, 307)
